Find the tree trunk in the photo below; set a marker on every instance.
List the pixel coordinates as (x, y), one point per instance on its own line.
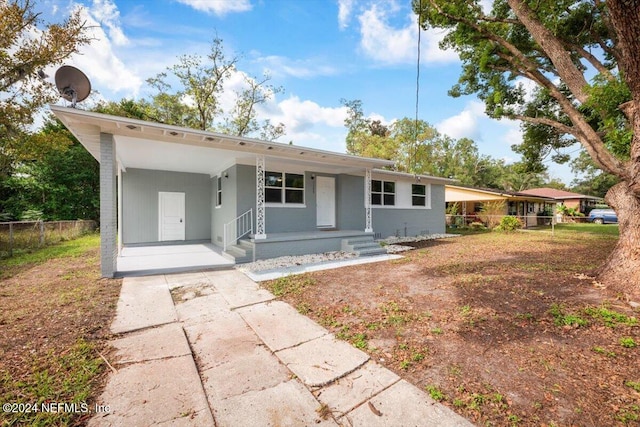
(621, 270)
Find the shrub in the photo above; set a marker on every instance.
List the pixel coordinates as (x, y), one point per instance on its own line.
(509, 223)
(491, 213)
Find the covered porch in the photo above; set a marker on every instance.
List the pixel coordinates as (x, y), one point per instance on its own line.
(162, 259)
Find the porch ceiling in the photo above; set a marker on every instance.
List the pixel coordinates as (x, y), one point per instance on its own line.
(149, 145)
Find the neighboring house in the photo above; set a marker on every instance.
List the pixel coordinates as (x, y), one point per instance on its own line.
(577, 201)
(253, 199)
(470, 201)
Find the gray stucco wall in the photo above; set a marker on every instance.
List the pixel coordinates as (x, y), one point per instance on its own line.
(350, 210)
(412, 222)
(293, 219)
(140, 189)
(388, 221)
(238, 196)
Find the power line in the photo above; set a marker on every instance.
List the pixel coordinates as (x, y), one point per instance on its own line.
(415, 147)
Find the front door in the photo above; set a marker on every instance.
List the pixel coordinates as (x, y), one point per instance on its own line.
(171, 219)
(326, 202)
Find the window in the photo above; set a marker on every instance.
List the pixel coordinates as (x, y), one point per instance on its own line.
(284, 188)
(219, 192)
(383, 193)
(418, 195)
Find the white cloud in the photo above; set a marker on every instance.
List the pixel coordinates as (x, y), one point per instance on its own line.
(465, 124)
(390, 45)
(304, 68)
(299, 115)
(529, 87)
(513, 133)
(345, 8)
(487, 6)
(100, 63)
(108, 15)
(219, 7)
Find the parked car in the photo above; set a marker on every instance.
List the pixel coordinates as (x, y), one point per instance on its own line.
(602, 216)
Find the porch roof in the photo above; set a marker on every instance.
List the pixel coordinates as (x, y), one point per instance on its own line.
(150, 145)
(456, 193)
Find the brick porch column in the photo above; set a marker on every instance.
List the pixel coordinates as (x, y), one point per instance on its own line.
(108, 206)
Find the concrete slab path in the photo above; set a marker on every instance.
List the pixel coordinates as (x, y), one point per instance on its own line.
(215, 349)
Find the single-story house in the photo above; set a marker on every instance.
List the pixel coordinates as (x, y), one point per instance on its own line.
(470, 200)
(252, 199)
(581, 202)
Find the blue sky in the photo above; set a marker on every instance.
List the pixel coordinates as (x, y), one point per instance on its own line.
(318, 51)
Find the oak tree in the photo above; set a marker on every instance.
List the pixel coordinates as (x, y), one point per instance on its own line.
(27, 46)
(583, 57)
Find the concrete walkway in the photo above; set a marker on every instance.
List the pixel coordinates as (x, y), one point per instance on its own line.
(228, 354)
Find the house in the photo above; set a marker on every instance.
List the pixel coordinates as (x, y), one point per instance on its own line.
(470, 202)
(580, 202)
(251, 199)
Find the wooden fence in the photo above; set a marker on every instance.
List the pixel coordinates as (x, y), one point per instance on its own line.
(21, 235)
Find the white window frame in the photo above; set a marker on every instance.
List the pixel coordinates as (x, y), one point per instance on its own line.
(283, 203)
(425, 196)
(219, 191)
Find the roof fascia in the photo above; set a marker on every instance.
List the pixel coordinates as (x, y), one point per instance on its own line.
(136, 128)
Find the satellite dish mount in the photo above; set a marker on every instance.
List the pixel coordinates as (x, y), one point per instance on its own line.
(73, 84)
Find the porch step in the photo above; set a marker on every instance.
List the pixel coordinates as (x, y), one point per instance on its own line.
(362, 246)
(240, 253)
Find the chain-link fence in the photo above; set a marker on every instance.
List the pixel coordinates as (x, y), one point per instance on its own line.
(491, 221)
(21, 235)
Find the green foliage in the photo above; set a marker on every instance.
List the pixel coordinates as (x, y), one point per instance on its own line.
(435, 393)
(553, 45)
(569, 212)
(201, 80)
(628, 342)
(492, 212)
(593, 181)
(71, 248)
(610, 317)
(31, 215)
(560, 318)
(603, 351)
(509, 224)
(64, 378)
(289, 285)
(63, 184)
(417, 147)
(634, 385)
(28, 46)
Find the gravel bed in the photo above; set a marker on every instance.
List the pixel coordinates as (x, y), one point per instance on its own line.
(392, 246)
(288, 261)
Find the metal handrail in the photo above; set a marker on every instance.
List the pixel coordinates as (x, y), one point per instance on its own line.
(238, 228)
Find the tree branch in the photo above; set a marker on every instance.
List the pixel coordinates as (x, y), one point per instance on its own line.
(552, 46)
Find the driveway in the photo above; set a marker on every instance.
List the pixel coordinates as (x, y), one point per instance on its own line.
(214, 349)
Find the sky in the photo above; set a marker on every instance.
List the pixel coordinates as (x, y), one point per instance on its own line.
(317, 51)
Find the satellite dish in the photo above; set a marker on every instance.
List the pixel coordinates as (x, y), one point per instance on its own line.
(73, 84)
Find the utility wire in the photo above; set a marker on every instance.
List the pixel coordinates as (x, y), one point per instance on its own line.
(415, 147)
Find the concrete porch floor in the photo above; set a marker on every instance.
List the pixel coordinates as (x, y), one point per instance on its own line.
(162, 259)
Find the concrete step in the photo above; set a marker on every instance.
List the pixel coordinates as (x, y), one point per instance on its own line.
(371, 251)
(238, 254)
(362, 246)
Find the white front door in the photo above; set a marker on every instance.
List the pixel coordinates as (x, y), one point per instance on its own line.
(326, 202)
(171, 218)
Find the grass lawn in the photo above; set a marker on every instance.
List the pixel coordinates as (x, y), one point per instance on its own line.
(54, 323)
(506, 329)
(601, 229)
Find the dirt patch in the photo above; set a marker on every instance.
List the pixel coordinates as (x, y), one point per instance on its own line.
(504, 329)
(52, 314)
